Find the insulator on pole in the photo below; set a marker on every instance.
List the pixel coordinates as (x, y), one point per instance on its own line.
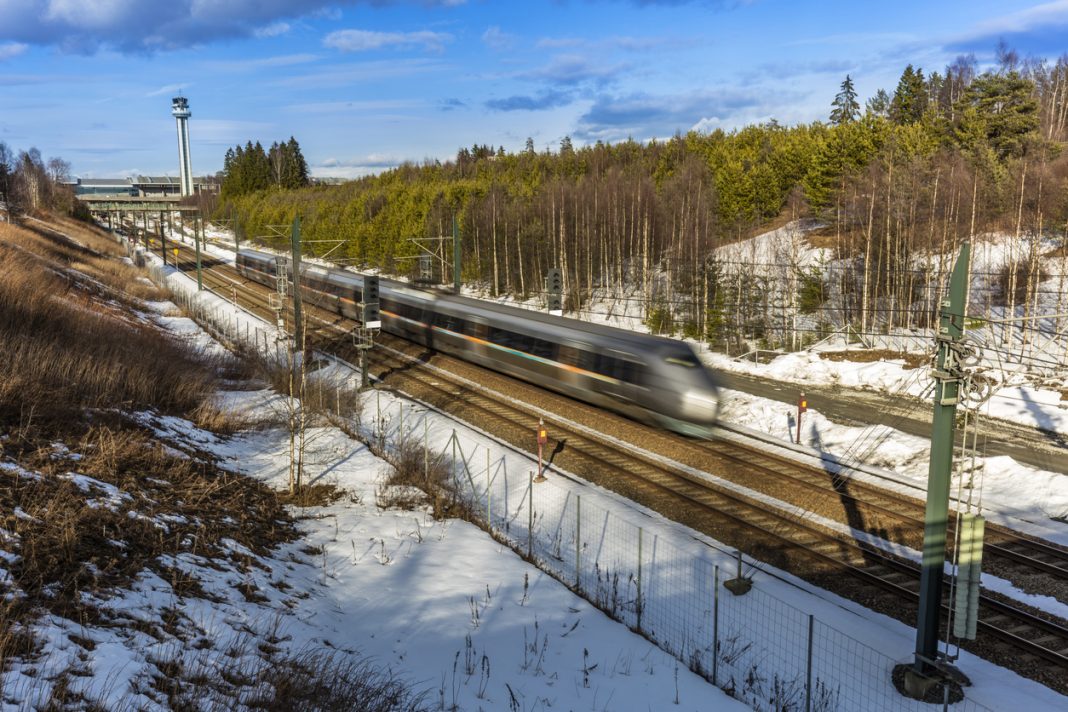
(969, 573)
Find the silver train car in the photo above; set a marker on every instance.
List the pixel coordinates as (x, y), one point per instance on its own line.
(647, 378)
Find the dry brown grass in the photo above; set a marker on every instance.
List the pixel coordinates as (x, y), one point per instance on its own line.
(63, 350)
(418, 478)
(66, 548)
(74, 360)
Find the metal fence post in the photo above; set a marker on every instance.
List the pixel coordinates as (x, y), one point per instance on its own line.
(578, 541)
(638, 604)
(530, 514)
(808, 677)
(715, 623)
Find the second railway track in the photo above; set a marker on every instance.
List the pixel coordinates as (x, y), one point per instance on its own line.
(1033, 643)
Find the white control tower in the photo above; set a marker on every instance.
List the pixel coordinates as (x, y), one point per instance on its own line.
(180, 109)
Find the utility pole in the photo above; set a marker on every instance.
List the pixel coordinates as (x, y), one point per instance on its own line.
(298, 313)
(455, 256)
(237, 235)
(196, 241)
(948, 375)
(162, 239)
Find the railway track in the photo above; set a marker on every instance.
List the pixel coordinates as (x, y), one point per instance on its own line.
(1034, 644)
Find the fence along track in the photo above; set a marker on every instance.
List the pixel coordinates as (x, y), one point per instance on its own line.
(1030, 636)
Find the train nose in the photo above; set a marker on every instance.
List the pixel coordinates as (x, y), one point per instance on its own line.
(700, 406)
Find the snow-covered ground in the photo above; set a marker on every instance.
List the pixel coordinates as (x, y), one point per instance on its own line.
(421, 623)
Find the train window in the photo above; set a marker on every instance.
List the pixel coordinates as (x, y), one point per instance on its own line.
(587, 360)
(568, 355)
(543, 348)
(632, 372)
(448, 321)
(606, 365)
(498, 336)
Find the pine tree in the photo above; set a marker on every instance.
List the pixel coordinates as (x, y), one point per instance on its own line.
(1000, 110)
(845, 104)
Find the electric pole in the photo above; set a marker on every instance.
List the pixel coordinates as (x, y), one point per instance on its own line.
(948, 375)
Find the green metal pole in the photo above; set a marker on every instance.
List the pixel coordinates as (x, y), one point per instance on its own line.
(196, 240)
(947, 376)
(455, 255)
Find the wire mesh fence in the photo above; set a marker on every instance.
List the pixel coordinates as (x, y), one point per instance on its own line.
(756, 647)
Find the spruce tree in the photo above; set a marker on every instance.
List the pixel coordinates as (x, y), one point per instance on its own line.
(910, 97)
(845, 104)
(297, 175)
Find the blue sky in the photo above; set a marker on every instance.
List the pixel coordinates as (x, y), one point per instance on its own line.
(366, 85)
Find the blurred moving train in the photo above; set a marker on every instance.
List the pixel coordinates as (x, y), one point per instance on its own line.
(648, 378)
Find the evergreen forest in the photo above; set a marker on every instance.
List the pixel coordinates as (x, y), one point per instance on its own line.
(889, 185)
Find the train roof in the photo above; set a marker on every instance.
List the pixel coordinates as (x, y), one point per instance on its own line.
(634, 340)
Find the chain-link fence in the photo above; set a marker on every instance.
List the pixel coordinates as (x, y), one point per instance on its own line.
(756, 647)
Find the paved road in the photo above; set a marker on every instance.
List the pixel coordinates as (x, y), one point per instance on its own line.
(1038, 448)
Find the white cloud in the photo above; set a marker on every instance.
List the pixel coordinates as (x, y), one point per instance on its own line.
(11, 49)
(240, 65)
(168, 89)
(498, 40)
(1045, 15)
(355, 167)
(365, 40)
(275, 29)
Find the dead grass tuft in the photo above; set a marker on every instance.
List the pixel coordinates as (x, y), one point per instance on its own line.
(313, 495)
(417, 478)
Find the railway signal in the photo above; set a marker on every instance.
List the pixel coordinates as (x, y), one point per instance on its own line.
(426, 268)
(554, 289)
(370, 314)
(370, 320)
(802, 406)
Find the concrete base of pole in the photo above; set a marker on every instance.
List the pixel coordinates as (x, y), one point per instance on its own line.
(935, 685)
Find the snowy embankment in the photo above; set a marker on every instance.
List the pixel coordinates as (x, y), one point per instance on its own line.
(438, 606)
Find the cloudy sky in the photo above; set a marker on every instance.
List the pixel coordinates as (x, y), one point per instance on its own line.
(364, 85)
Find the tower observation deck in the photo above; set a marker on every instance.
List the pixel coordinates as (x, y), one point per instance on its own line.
(180, 111)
